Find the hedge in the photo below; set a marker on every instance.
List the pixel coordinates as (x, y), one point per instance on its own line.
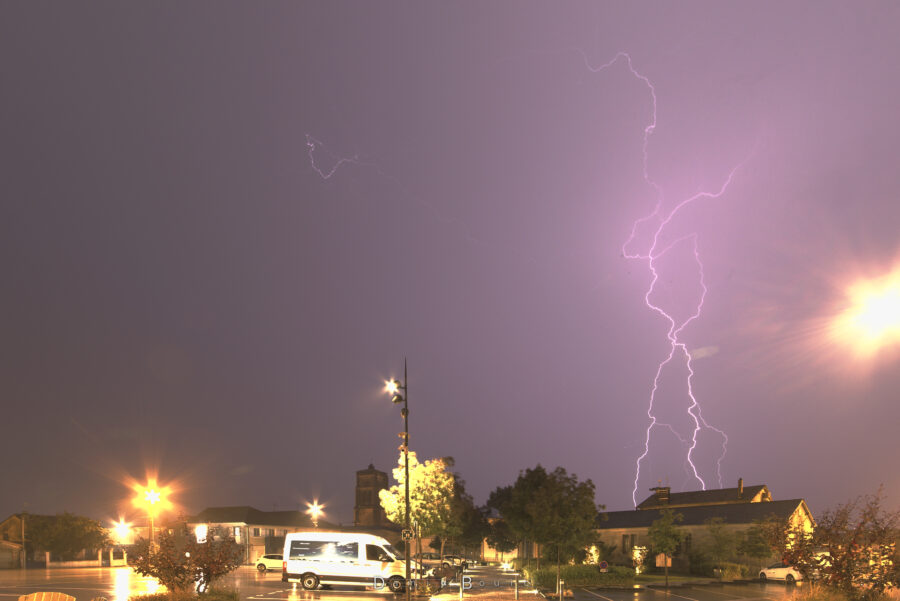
(581, 575)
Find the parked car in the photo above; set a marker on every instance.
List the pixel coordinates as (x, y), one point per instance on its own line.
(779, 571)
(456, 560)
(269, 562)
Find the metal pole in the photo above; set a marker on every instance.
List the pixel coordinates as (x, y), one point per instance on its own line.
(24, 555)
(406, 467)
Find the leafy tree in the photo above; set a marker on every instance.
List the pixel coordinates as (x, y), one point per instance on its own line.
(558, 509)
(501, 537)
(178, 561)
(722, 542)
(473, 525)
(665, 536)
(789, 542)
(513, 504)
(432, 489)
(860, 539)
(213, 559)
(165, 560)
(753, 543)
(65, 535)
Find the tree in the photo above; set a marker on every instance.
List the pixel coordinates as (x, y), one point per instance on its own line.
(860, 543)
(791, 543)
(665, 536)
(166, 561)
(178, 561)
(513, 503)
(722, 542)
(66, 535)
(214, 558)
(431, 496)
(753, 543)
(472, 522)
(501, 537)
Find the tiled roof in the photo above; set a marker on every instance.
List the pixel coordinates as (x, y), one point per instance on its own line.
(736, 513)
(244, 514)
(703, 497)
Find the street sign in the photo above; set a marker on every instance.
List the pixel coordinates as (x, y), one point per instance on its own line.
(406, 534)
(604, 567)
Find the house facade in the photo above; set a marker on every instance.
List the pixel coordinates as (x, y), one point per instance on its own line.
(258, 532)
(738, 508)
(12, 552)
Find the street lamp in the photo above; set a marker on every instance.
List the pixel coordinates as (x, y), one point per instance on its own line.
(394, 388)
(152, 499)
(315, 510)
(122, 530)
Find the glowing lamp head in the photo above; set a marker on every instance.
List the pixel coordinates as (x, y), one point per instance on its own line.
(872, 320)
(315, 510)
(122, 531)
(392, 387)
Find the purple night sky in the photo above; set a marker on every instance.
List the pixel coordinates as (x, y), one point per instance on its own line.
(224, 225)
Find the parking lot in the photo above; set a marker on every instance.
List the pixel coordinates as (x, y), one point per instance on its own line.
(119, 584)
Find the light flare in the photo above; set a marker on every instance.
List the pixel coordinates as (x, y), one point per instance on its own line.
(870, 321)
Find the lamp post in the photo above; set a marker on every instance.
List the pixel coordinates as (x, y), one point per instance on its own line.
(148, 497)
(394, 388)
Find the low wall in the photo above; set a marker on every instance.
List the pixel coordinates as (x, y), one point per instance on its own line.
(88, 563)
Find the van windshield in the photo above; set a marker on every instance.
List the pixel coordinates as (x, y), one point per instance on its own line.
(390, 549)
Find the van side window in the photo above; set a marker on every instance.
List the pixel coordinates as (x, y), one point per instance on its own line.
(347, 551)
(376, 553)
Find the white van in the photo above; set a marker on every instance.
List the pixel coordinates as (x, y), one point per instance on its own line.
(350, 558)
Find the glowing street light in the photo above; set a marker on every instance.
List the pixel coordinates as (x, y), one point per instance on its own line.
(153, 499)
(315, 510)
(122, 530)
(394, 388)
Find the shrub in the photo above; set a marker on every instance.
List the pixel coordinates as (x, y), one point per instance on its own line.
(582, 575)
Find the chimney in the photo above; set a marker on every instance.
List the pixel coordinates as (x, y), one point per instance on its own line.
(740, 487)
(662, 494)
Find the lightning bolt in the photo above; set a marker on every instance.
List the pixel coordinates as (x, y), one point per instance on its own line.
(677, 348)
(312, 145)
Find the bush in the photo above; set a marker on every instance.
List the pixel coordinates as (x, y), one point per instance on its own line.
(583, 575)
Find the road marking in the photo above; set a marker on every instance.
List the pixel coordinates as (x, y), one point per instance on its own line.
(595, 594)
(667, 593)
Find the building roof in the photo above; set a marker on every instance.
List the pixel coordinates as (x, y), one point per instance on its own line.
(733, 513)
(703, 497)
(244, 514)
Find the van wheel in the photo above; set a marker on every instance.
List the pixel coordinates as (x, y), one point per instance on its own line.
(310, 581)
(395, 584)
(262, 568)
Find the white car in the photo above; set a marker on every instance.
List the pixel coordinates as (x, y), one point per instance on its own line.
(779, 571)
(269, 562)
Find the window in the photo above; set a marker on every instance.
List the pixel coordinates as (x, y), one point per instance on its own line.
(321, 550)
(256, 532)
(376, 553)
(625, 547)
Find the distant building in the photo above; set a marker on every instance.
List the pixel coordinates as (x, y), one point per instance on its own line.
(368, 512)
(11, 548)
(258, 532)
(738, 508)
